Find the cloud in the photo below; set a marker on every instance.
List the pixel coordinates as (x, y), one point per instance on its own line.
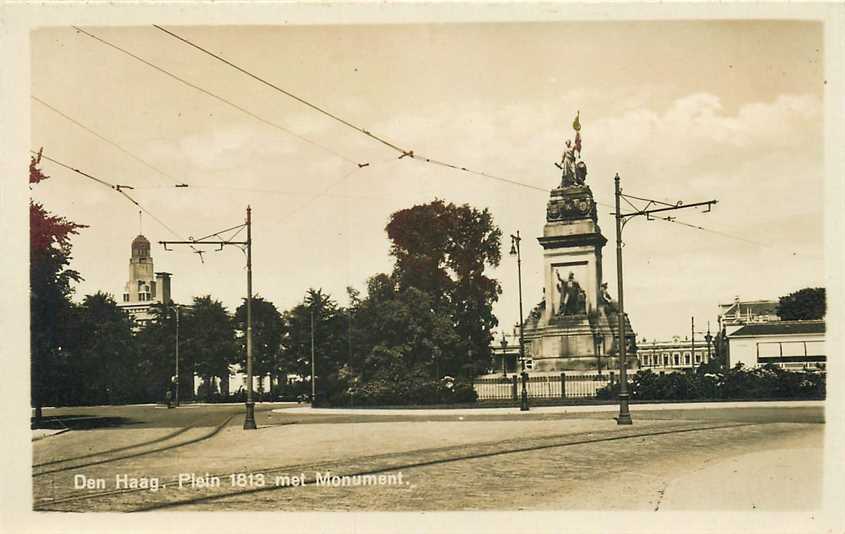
(696, 132)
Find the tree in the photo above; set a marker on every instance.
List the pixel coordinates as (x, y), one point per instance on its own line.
(50, 292)
(443, 250)
(157, 353)
(802, 305)
(396, 333)
(266, 337)
(330, 334)
(209, 340)
(102, 353)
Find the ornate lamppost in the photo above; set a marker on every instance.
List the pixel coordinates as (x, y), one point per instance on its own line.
(515, 239)
(597, 342)
(504, 356)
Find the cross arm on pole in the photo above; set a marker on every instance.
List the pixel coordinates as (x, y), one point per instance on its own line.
(220, 243)
(648, 212)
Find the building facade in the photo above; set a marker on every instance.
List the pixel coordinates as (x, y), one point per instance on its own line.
(673, 355)
(791, 345)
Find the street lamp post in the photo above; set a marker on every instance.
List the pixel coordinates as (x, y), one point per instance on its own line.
(708, 338)
(504, 356)
(313, 362)
(176, 393)
(597, 340)
(515, 239)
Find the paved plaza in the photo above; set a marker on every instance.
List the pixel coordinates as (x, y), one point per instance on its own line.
(197, 457)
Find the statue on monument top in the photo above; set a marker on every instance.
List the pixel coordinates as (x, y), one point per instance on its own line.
(574, 170)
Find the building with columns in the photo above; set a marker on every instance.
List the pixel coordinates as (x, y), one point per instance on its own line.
(673, 355)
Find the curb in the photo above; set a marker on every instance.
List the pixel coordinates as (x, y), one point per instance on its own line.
(563, 409)
(45, 436)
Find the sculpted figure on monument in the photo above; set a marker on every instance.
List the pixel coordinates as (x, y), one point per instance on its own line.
(571, 301)
(567, 164)
(574, 170)
(606, 299)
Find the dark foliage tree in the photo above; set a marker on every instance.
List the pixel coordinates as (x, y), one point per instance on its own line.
(50, 292)
(266, 338)
(157, 354)
(209, 344)
(320, 314)
(804, 304)
(442, 250)
(397, 331)
(102, 354)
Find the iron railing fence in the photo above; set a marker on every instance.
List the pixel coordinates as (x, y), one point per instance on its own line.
(559, 386)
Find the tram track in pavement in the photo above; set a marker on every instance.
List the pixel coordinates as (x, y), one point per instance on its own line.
(112, 451)
(107, 456)
(368, 465)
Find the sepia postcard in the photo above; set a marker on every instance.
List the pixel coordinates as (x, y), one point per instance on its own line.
(440, 267)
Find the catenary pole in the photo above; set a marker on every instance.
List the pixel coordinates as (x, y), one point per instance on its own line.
(249, 420)
(624, 417)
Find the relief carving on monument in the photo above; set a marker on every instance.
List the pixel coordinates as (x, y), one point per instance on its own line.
(570, 207)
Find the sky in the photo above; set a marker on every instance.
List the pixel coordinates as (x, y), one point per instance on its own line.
(691, 111)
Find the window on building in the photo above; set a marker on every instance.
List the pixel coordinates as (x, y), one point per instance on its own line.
(698, 358)
(665, 360)
(676, 358)
(686, 359)
(126, 297)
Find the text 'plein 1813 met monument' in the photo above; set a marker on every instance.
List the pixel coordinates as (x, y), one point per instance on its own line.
(574, 328)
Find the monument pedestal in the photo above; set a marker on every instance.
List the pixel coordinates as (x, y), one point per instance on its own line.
(575, 327)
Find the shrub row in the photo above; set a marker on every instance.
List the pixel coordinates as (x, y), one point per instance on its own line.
(407, 392)
(767, 382)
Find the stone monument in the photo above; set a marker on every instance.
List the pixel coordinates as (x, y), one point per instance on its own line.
(574, 328)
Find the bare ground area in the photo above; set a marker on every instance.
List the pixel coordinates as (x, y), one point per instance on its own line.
(730, 459)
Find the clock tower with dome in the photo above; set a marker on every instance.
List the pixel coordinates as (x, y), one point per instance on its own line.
(145, 286)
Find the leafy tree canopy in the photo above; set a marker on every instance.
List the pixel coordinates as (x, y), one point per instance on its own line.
(266, 336)
(442, 250)
(209, 336)
(103, 355)
(804, 304)
(50, 292)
